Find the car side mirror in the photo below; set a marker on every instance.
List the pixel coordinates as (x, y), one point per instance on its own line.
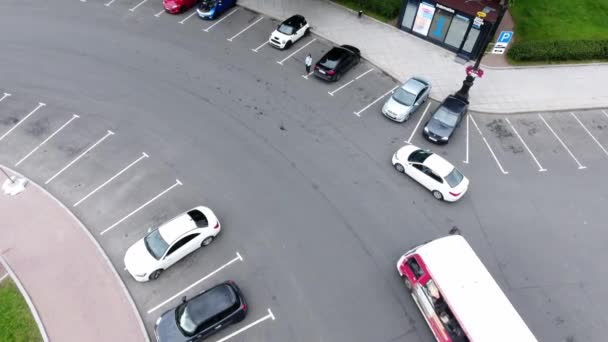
(183, 299)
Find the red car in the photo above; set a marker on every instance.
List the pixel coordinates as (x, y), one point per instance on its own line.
(178, 6)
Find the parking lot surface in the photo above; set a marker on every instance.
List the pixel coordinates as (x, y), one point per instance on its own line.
(148, 114)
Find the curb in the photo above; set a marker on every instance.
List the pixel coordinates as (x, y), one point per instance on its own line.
(99, 249)
(477, 112)
(27, 298)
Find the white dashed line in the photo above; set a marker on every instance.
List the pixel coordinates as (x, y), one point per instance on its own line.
(177, 183)
(418, 123)
(540, 167)
(376, 100)
(109, 133)
(143, 155)
(188, 17)
(139, 4)
(219, 21)
(298, 50)
(109, 3)
(40, 105)
(488, 145)
(603, 111)
(259, 47)
(591, 135)
(343, 86)
(580, 166)
(74, 117)
(238, 258)
(159, 13)
(5, 96)
(270, 315)
(245, 29)
(306, 76)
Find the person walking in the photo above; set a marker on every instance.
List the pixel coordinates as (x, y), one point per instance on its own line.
(308, 62)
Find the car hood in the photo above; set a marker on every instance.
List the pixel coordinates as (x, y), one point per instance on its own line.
(172, 3)
(138, 260)
(397, 108)
(439, 129)
(280, 35)
(166, 329)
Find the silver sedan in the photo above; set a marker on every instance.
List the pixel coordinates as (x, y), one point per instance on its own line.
(406, 99)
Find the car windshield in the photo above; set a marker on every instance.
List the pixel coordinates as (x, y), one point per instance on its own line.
(419, 156)
(207, 5)
(155, 244)
(446, 117)
(454, 178)
(185, 320)
(329, 63)
(285, 29)
(404, 97)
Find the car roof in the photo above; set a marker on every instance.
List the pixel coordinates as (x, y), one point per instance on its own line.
(454, 104)
(414, 85)
(211, 302)
(178, 226)
(439, 165)
(294, 19)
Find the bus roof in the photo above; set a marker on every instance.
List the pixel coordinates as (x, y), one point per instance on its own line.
(473, 295)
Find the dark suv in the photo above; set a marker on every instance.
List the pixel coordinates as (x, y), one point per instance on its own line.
(336, 62)
(203, 315)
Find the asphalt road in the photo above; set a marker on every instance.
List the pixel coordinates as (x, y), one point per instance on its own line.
(303, 186)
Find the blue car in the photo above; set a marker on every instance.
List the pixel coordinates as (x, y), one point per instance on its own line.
(211, 9)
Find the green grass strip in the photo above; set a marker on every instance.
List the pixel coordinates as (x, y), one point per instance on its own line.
(16, 321)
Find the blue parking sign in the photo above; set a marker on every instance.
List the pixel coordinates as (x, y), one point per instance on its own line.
(505, 37)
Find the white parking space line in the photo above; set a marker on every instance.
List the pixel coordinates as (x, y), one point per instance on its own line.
(376, 100)
(143, 155)
(177, 183)
(580, 166)
(139, 4)
(256, 49)
(188, 17)
(540, 167)
(310, 73)
(74, 117)
(109, 133)
(356, 78)
(109, 3)
(270, 315)
(219, 21)
(418, 123)
(238, 258)
(40, 105)
(603, 111)
(3, 277)
(245, 29)
(159, 13)
(488, 145)
(298, 50)
(591, 135)
(466, 160)
(5, 96)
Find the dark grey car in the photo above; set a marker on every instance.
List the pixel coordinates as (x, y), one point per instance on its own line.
(445, 119)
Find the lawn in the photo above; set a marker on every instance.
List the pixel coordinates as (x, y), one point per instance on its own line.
(383, 10)
(560, 19)
(16, 321)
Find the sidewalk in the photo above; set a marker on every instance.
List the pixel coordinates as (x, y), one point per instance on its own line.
(501, 90)
(74, 289)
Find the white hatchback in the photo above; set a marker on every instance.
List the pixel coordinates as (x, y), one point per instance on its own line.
(172, 241)
(432, 171)
(289, 32)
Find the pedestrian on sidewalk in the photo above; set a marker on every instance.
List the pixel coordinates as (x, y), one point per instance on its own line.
(308, 62)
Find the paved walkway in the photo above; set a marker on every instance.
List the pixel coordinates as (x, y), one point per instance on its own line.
(502, 90)
(76, 292)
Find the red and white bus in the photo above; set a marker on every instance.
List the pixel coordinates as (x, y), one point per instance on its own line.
(457, 296)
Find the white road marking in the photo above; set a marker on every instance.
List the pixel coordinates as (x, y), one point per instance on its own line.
(310, 73)
(238, 257)
(488, 145)
(603, 111)
(376, 100)
(188, 17)
(5, 96)
(177, 183)
(343, 86)
(418, 123)
(40, 105)
(254, 50)
(143, 155)
(159, 13)
(591, 135)
(219, 21)
(74, 117)
(139, 4)
(109, 133)
(245, 29)
(270, 315)
(3, 277)
(580, 166)
(109, 3)
(298, 50)
(540, 167)
(466, 160)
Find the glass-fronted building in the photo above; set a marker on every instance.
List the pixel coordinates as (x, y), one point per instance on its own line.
(452, 24)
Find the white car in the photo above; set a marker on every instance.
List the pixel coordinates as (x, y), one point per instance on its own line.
(172, 241)
(432, 171)
(289, 32)
(407, 99)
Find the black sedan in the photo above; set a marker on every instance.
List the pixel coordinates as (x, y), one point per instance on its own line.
(203, 315)
(336, 62)
(445, 119)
